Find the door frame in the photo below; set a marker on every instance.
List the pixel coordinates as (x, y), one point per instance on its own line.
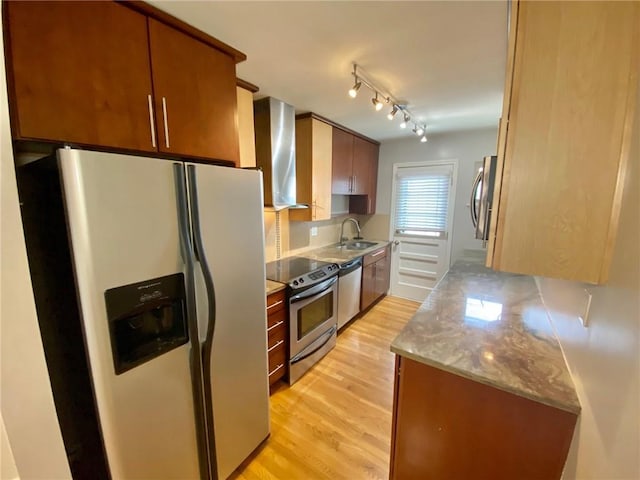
(450, 214)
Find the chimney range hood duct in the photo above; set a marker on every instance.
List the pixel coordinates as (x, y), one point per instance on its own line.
(276, 151)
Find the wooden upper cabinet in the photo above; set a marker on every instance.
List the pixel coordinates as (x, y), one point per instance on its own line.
(365, 174)
(314, 140)
(119, 76)
(79, 72)
(195, 95)
(341, 162)
(361, 166)
(565, 138)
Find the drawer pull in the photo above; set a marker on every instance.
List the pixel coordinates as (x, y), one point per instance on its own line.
(377, 253)
(274, 304)
(280, 342)
(276, 369)
(276, 325)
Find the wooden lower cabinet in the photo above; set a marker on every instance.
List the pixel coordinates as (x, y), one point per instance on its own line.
(375, 276)
(449, 427)
(277, 335)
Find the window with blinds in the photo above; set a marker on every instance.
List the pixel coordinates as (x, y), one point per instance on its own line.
(422, 200)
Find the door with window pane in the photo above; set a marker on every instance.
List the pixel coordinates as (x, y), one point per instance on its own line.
(421, 219)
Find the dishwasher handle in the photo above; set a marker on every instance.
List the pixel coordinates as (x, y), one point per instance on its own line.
(347, 268)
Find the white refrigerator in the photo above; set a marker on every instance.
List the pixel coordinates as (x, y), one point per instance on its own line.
(168, 273)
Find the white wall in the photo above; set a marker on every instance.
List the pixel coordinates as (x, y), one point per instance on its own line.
(27, 408)
(604, 358)
(468, 147)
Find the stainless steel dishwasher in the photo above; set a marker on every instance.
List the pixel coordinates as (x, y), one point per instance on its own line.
(349, 283)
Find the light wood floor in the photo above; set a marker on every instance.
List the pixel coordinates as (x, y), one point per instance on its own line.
(335, 422)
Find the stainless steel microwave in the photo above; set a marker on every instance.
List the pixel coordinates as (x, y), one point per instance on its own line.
(482, 198)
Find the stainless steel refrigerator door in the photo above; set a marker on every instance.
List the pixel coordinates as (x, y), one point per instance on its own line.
(230, 206)
(122, 218)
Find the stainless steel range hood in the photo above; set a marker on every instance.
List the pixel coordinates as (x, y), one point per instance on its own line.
(276, 151)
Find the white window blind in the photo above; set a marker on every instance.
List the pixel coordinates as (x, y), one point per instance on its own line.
(422, 200)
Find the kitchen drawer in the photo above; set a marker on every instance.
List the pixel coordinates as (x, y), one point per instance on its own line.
(276, 302)
(277, 363)
(276, 333)
(276, 317)
(374, 256)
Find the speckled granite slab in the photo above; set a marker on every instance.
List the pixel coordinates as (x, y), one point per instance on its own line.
(491, 327)
(336, 254)
(273, 287)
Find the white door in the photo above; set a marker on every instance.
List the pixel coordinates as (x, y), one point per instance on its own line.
(423, 198)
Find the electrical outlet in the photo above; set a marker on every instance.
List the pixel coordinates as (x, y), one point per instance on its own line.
(584, 318)
(314, 231)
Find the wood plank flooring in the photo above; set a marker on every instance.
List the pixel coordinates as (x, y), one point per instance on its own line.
(335, 422)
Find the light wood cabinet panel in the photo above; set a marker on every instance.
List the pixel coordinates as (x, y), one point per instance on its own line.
(471, 430)
(195, 95)
(314, 145)
(246, 130)
(564, 138)
(341, 162)
(79, 72)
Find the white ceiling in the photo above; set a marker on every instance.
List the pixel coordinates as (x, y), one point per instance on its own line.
(446, 59)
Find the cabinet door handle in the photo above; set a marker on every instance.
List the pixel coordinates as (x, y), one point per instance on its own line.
(152, 122)
(166, 123)
(276, 369)
(278, 343)
(274, 304)
(355, 187)
(276, 325)
(377, 253)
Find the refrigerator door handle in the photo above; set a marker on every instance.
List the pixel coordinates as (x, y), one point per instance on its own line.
(472, 203)
(195, 357)
(211, 312)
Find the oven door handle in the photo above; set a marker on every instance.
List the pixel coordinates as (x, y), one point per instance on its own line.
(302, 355)
(314, 290)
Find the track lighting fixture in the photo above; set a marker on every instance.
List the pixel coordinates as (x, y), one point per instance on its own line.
(353, 93)
(376, 103)
(393, 112)
(381, 95)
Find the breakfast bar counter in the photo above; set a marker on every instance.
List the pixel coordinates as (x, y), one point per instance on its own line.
(481, 377)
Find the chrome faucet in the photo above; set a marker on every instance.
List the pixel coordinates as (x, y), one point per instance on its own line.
(348, 219)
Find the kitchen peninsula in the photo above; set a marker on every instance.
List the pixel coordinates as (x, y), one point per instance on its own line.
(482, 382)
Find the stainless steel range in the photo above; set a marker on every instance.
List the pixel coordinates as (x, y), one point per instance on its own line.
(313, 301)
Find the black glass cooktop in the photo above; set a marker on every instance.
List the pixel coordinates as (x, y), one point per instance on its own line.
(300, 272)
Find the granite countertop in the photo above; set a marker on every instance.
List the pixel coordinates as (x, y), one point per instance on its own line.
(273, 287)
(491, 327)
(337, 254)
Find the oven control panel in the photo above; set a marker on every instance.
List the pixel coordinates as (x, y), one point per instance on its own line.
(317, 276)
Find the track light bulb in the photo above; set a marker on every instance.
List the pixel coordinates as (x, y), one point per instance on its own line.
(419, 131)
(392, 113)
(405, 120)
(423, 139)
(353, 93)
(376, 103)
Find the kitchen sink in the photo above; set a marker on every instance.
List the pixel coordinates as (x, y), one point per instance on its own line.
(359, 245)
